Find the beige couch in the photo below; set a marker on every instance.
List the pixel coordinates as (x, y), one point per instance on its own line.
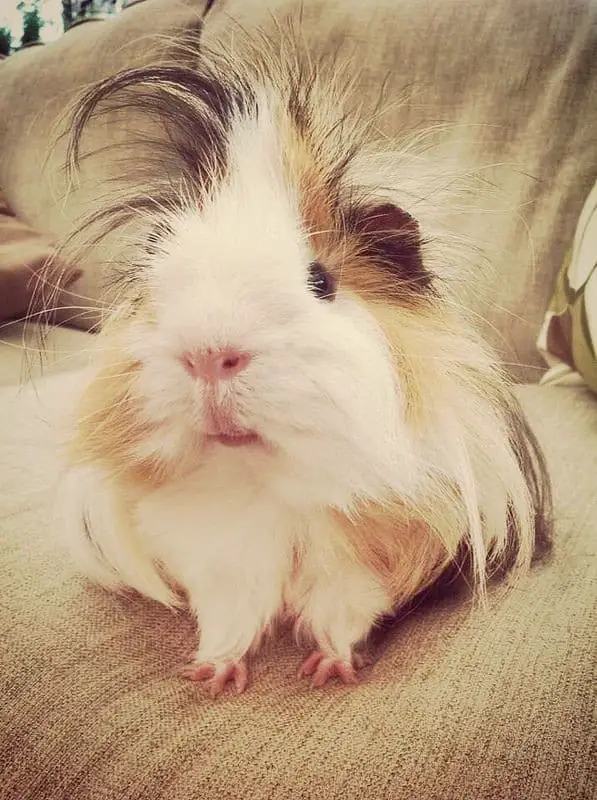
(461, 703)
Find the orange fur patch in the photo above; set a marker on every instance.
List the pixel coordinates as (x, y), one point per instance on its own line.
(409, 334)
(111, 427)
(402, 551)
(308, 180)
(340, 250)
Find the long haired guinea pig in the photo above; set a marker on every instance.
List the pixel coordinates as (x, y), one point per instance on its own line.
(287, 417)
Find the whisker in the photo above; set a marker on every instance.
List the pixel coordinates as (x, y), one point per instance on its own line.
(41, 314)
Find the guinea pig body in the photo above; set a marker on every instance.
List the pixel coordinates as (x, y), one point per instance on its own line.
(287, 418)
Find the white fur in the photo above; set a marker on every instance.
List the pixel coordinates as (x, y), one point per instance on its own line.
(235, 275)
(115, 557)
(321, 391)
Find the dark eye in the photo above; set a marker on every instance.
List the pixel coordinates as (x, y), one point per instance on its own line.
(321, 283)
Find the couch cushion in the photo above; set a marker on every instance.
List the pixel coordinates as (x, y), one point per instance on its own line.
(492, 91)
(32, 144)
(24, 254)
(476, 705)
(480, 83)
(29, 351)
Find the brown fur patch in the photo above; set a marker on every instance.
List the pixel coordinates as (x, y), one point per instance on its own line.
(380, 265)
(371, 247)
(110, 425)
(408, 333)
(402, 551)
(309, 181)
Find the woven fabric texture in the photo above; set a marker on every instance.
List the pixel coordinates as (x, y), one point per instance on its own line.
(480, 706)
(493, 88)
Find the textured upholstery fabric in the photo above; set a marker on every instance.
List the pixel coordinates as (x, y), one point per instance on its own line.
(488, 706)
(30, 351)
(477, 706)
(23, 254)
(32, 147)
(496, 86)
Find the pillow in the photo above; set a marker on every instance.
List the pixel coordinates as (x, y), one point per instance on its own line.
(32, 175)
(568, 337)
(23, 256)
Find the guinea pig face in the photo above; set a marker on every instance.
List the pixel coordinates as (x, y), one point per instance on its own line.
(254, 349)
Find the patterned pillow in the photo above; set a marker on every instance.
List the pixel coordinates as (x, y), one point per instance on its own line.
(568, 337)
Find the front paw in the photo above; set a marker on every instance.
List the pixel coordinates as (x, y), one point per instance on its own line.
(321, 668)
(216, 675)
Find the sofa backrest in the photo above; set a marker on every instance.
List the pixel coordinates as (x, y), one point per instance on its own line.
(502, 95)
(37, 87)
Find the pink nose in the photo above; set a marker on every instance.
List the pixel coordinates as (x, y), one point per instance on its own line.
(215, 365)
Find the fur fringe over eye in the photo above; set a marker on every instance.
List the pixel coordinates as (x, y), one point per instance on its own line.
(472, 492)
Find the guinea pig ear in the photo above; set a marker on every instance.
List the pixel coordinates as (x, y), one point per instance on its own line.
(391, 238)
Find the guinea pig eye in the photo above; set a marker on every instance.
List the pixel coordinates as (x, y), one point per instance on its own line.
(321, 283)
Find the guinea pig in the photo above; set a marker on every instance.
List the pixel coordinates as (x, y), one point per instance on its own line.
(288, 418)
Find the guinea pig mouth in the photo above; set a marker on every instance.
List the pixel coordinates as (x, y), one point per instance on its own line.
(233, 439)
(221, 426)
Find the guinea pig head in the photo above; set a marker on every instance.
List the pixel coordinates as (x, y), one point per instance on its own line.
(255, 333)
(252, 335)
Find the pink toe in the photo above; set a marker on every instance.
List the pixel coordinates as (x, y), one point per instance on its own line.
(217, 676)
(198, 672)
(220, 679)
(323, 668)
(323, 673)
(346, 673)
(241, 678)
(311, 664)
